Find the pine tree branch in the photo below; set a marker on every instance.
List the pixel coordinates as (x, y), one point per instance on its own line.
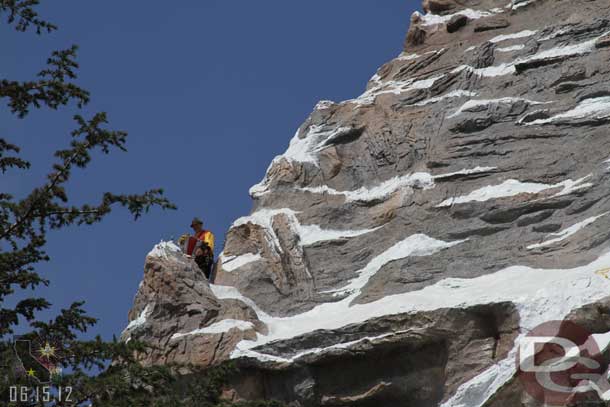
(54, 182)
(23, 12)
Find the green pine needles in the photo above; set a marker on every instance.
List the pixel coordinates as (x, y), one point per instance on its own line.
(94, 372)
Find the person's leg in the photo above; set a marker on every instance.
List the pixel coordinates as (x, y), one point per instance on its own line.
(210, 274)
(202, 263)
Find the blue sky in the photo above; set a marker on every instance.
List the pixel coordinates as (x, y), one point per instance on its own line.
(209, 91)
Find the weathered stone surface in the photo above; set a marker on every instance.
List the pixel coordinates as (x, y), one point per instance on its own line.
(416, 35)
(439, 6)
(469, 180)
(491, 24)
(594, 318)
(424, 359)
(603, 42)
(456, 22)
(173, 303)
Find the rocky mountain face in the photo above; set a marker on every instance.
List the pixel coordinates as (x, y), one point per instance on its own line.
(409, 239)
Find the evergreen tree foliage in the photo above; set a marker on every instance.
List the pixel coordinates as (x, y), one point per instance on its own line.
(98, 373)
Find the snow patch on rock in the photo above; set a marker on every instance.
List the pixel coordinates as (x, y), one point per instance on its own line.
(164, 250)
(367, 194)
(512, 49)
(468, 171)
(540, 295)
(308, 234)
(217, 328)
(393, 87)
(566, 233)
(514, 36)
(404, 56)
(418, 180)
(520, 284)
(588, 109)
(450, 95)
(311, 234)
(140, 320)
(317, 351)
(415, 245)
(264, 219)
(557, 52)
(234, 262)
(478, 105)
(304, 149)
(430, 19)
(519, 4)
(511, 188)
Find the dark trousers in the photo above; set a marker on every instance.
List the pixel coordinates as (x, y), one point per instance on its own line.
(205, 263)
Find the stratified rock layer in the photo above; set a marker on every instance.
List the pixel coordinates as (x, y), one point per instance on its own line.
(408, 237)
(178, 315)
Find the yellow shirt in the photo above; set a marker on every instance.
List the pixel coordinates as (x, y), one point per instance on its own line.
(206, 237)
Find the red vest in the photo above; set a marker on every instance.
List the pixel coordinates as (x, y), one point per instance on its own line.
(193, 240)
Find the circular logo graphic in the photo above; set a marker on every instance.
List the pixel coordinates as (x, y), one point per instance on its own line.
(560, 362)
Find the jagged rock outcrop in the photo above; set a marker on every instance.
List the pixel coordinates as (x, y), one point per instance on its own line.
(177, 313)
(409, 239)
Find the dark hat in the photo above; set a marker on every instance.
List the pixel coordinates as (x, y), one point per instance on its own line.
(196, 221)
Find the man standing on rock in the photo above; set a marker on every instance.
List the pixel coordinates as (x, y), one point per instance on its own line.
(201, 245)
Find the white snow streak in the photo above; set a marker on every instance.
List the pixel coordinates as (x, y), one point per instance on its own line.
(541, 295)
(480, 105)
(308, 234)
(522, 4)
(303, 149)
(311, 234)
(514, 36)
(566, 233)
(399, 87)
(568, 50)
(470, 171)
(421, 180)
(415, 245)
(407, 57)
(406, 182)
(225, 292)
(140, 320)
(393, 87)
(233, 263)
(164, 250)
(513, 187)
(493, 71)
(509, 68)
(589, 109)
(264, 218)
(317, 351)
(217, 328)
(410, 57)
(511, 49)
(434, 19)
(555, 34)
(453, 94)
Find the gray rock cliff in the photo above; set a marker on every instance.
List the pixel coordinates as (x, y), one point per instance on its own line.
(409, 238)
